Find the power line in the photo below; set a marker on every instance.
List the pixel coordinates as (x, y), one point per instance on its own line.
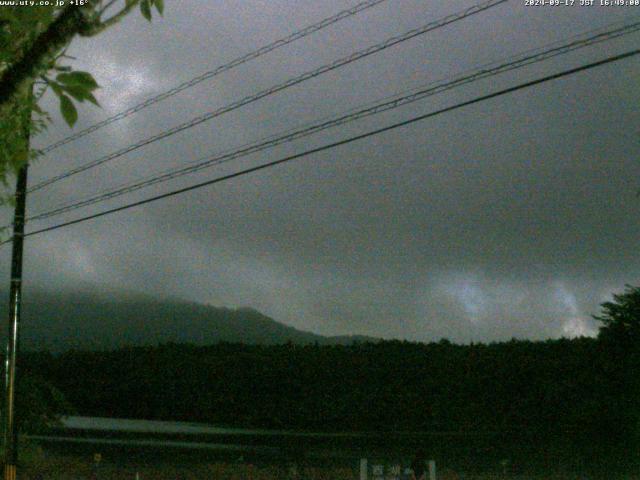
(277, 88)
(432, 89)
(314, 128)
(371, 133)
(218, 70)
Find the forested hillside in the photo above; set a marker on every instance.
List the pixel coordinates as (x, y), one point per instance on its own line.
(81, 320)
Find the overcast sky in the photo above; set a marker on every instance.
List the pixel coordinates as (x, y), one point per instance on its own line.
(514, 217)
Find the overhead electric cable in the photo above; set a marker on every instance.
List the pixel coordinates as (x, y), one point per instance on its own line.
(217, 71)
(277, 88)
(432, 89)
(345, 141)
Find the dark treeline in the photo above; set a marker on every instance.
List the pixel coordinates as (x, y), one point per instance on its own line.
(580, 386)
(577, 398)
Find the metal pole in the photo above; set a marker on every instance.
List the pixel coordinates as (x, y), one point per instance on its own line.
(10, 430)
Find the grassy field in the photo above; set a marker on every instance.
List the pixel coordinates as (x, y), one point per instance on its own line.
(66, 464)
(74, 468)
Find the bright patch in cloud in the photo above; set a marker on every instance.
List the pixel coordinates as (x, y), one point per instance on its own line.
(577, 327)
(466, 290)
(574, 325)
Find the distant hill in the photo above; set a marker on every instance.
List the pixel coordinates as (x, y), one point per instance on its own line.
(60, 322)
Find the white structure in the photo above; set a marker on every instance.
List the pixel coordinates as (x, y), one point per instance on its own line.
(389, 471)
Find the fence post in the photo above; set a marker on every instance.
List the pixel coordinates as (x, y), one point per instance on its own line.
(432, 470)
(363, 469)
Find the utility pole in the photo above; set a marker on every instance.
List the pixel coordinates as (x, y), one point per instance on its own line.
(15, 297)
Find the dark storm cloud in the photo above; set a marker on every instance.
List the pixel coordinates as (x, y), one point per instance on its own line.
(514, 217)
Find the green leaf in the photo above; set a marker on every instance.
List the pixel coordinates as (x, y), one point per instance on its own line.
(159, 6)
(145, 8)
(76, 91)
(92, 99)
(56, 87)
(84, 79)
(62, 69)
(68, 110)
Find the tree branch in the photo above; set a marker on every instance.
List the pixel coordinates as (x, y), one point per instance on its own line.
(96, 28)
(106, 7)
(73, 20)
